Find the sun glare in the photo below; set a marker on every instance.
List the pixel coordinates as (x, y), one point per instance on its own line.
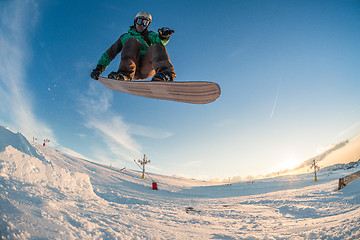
(289, 163)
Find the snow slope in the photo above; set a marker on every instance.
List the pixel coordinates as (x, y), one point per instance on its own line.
(45, 194)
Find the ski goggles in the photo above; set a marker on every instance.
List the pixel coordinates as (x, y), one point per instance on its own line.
(143, 21)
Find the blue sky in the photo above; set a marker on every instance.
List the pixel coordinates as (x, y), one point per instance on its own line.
(289, 73)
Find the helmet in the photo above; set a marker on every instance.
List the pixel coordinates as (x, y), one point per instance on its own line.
(145, 15)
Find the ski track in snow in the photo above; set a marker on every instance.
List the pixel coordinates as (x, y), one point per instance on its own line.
(45, 194)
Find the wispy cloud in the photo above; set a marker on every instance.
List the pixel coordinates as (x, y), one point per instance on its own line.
(348, 132)
(276, 99)
(17, 20)
(145, 131)
(113, 130)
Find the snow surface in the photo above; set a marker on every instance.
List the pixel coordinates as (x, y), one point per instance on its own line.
(45, 194)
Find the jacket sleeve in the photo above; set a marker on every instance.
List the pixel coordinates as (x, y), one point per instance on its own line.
(155, 39)
(111, 53)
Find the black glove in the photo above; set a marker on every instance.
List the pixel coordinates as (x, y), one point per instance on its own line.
(97, 71)
(165, 33)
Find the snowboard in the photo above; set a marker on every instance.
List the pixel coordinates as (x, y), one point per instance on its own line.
(196, 92)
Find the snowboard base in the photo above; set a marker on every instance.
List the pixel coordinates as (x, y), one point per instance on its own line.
(196, 92)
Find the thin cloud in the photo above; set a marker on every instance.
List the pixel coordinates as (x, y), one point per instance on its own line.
(348, 132)
(150, 132)
(115, 130)
(111, 128)
(18, 18)
(95, 106)
(276, 100)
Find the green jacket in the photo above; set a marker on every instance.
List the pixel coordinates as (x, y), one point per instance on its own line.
(146, 38)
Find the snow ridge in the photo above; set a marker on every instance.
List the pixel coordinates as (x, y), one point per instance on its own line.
(17, 141)
(21, 161)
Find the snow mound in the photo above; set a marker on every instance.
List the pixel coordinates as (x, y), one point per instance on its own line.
(20, 161)
(340, 166)
(17, 141)
(28, 169)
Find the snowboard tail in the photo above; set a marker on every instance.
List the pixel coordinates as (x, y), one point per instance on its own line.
(196, 92)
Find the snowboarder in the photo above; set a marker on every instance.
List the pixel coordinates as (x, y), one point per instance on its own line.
(143, 53)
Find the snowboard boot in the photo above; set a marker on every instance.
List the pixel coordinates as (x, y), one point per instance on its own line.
(119, 76)
(164, 77)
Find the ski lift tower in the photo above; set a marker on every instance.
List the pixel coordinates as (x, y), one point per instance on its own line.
(143, 162)
(316, 167)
